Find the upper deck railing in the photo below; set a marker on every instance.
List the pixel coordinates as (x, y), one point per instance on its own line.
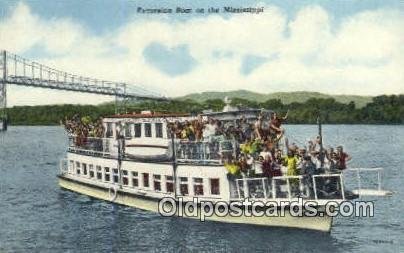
(201, 152)
(102, 147)
(204, 151)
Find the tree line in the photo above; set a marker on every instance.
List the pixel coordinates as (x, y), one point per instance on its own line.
(382, 110)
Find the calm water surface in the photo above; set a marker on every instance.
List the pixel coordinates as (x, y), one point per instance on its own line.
(37, 216)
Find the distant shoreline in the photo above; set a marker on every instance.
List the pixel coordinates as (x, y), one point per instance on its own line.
(382, 110)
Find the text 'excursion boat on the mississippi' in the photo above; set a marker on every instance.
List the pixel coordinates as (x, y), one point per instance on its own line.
(139, 159)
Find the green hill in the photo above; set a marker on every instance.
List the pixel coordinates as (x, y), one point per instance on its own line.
(285, 97)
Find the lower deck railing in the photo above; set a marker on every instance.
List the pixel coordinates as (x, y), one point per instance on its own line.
(327, 186)
(101, 147)
(365, 181)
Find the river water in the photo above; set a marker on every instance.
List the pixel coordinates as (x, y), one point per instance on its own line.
(37, 216)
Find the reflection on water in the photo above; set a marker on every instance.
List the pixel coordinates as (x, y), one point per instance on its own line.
(36, 215)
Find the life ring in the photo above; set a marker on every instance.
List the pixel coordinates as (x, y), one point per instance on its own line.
(113, 193)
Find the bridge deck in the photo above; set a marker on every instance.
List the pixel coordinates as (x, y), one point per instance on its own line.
(20, 71)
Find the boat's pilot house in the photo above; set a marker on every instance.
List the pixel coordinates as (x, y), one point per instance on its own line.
(144, 125)
(145, 133)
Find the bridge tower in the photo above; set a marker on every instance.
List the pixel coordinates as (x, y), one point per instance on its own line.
(121, 100)
(3, 92)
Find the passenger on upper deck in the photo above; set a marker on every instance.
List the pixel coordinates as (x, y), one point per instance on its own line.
(198, 126)
(83, 127)
(209, 129)
(188, 131)
(177, 129)
(262, 127)
(245, 128)
(258, 127)
(276, 123)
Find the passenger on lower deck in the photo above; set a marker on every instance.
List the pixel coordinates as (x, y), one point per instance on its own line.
(342, 157)
(308, 169)
(290, 161)
(270, 168)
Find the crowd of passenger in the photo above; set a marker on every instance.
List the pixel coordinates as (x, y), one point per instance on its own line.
(267, 130)
(258, 149)
(82, 128)
(253, 148)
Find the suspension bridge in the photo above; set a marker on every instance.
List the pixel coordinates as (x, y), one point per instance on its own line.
(17, 70)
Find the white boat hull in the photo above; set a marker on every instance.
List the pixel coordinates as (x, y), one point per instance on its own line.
(318, 223)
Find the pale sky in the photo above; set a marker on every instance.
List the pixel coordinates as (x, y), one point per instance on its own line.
(334, 47)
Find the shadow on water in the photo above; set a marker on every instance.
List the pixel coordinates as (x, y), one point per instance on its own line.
(104, 226)
(125, 229)
(193, 235)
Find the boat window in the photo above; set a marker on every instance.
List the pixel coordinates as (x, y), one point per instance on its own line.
(145, 179)
(99, 172)
(198, 186)
(138, 130)
(135, 179)
(184, 186)
(109, 133)
(91, 170)
(78, 168)
(125, 180)
(127, 127)
(157, 182)
(107, 176)
(115, 175)
(159, 130)
(147, 130)
(214, 186)
(71, 166)
(84, 169)
(169, 184)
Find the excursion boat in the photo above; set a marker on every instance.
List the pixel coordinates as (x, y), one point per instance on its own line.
(138, 162)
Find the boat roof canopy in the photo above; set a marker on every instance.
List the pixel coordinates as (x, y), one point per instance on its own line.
(148, 115)
(231, 115)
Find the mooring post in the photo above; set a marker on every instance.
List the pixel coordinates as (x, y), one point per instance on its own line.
(174, 163)
(320, 135)
(3, 93)
(120, 98)
(116, 104)
(4, 65)
(124, 98)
